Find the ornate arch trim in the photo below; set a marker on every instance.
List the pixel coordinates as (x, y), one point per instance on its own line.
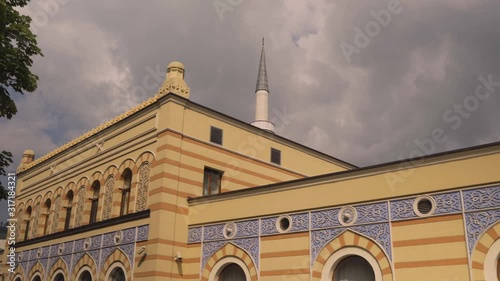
(85, 263)
(486, 248)
(59, 266)
(352, 240)
(219, 259)
(117, 257)
(37, 269)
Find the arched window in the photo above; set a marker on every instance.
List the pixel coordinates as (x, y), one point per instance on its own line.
(37, 278)
(18, 279)
(232, 272)
(127, 184)
(59, 277)
(85, 276)
(28, 218)
(117, 274)
(96, 187)
(46, 207)
(353, 268)
(69, 207)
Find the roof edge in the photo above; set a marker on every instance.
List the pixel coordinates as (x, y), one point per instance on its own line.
(432, 158)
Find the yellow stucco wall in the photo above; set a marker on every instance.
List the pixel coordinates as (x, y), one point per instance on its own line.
(173, 136)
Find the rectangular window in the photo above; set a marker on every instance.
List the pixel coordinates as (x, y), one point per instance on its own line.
(125, 202)
(93, 210)
(275, 156)
(27, 231)
(215, 135)
(67, 220)
(211, 181)
(46, 224)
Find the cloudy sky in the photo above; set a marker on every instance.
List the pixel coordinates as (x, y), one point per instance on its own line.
(364, 81)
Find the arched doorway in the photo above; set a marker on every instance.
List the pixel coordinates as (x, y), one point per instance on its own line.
(232, 272)
(353, 268)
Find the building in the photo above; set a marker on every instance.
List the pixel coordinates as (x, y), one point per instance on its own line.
(172, 190)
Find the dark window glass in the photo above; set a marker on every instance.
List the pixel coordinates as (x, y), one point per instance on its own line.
(216, 135)
(211, 181)
(275, 156)
(95, 201)
(59, 277)
(232, 272)
(117, 275)
(68, 210)
(27, 230)
(127, 184)
(47, 216)
(354, 268)
(85, 276)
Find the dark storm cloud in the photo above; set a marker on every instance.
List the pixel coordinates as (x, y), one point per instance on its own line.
(371, 110)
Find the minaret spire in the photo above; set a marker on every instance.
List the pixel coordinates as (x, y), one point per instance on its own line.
(262, 75)
(261, 96)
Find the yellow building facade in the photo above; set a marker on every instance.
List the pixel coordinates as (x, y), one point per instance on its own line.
(172, 190)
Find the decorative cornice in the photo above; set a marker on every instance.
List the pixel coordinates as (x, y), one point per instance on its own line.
(163, 92)
(175, 86)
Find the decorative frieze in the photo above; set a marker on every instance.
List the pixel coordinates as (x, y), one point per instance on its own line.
(99, 248)
(481, 198)
(481, 207)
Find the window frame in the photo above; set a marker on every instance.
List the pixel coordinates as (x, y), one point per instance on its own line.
(29, 212)
(219, 266)
(278, 155)
(126, 189)
(332, 262)
(94, 201)
(208, 171)
(214, 129)
(69, 208)
(48, 206)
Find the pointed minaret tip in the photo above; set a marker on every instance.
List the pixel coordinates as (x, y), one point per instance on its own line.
(262, 75)
(261, 96)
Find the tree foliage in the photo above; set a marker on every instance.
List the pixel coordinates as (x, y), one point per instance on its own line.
(17, 47)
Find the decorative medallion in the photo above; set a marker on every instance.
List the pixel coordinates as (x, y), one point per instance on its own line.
(347, 216)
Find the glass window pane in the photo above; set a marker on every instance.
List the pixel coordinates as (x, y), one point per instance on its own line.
(214, 184)
(354, 268)
(232, 272)
(206, 184)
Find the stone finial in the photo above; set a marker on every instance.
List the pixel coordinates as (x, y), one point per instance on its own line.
(28, 157)
(174, 82)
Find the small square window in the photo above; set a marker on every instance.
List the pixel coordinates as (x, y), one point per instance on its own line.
(275, 156)
(211, 181)
(216, 135)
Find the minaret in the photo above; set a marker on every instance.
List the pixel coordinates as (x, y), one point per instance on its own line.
(261, 96)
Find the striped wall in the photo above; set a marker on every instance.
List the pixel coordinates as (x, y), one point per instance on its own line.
(435, 245)
(451, 243)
